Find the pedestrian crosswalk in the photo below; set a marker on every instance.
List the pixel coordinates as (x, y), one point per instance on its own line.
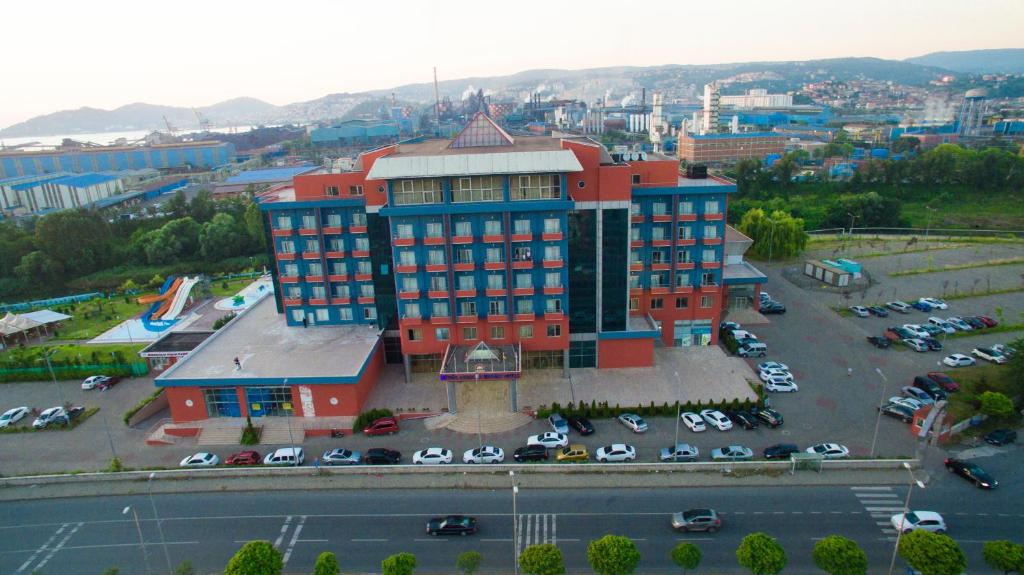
(535, 528)
(881, 503)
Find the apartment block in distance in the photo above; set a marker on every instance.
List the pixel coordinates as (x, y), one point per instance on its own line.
(729, 148)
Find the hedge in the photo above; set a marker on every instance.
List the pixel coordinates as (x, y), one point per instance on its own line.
(595, 410)
(146, 401)
(367, 417)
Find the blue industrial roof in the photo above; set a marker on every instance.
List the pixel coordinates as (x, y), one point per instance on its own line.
(269, 175)
(114, 200)
(37, 182)
(84, 180)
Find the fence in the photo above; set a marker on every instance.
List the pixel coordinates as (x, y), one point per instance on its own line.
(63, 372)
(937, 233)
(49, 302)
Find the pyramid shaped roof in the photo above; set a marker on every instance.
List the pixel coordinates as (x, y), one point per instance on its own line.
(481, 131)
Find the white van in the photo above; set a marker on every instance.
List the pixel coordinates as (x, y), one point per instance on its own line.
(753, 349)
(285, 456)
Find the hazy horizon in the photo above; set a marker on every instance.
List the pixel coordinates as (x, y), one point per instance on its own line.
(112, 52)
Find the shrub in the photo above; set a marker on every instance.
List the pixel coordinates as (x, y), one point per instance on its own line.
(367, 417)
(146, 401)
(223, 320)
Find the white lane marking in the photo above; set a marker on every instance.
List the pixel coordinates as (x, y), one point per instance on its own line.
(431, 539)
(313, 540)
(883, 523)
(367, 540)
(493, 540)
(295, 539)
(883, 509)
(42, 548)
(871, 488)
(284, 529)
(59, 546)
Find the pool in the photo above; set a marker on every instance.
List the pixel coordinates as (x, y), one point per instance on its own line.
(248, 295)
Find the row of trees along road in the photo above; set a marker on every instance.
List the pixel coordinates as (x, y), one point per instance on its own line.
(758, 553)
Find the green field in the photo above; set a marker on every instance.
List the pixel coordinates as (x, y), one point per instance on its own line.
(90, 319)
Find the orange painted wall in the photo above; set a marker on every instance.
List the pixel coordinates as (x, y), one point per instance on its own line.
(180, 412)
(625, 353)
(668, 314)
(311, 187)
(430, 345)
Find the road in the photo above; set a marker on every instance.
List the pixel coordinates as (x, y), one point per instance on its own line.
(89, 535)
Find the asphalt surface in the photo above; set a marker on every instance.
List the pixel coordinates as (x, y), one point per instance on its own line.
(90, 535)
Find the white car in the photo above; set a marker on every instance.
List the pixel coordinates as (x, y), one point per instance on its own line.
(93, 381)
(916, 344)
(774, 374)
(781, 385)
(1004, 350)
(917, 330)
(959, 324)
(716, 419)
(742, 334)
(917, 393)
(908, 402)
(13, 416)
(941, 324)
(934, 302)
(484, 454)
(549, 439)
(829, 450)
(860, 311)
(693, 421)
(988, 354)
(919, 521)
(432, 456)
(615, 453)
(634, 422)
(772, 365)
(201, 459)
(958, 360)
(50, 416)
(293, 456)
(899, 306)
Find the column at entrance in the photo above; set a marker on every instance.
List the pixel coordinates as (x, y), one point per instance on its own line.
(513, 395)
(452, 403)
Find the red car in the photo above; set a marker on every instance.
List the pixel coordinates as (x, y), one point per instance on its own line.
(989, 322)
(382, 426)
(244, 458)
(944, 381)
(108, 383)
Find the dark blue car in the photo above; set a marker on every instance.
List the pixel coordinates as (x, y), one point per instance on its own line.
(921, 306)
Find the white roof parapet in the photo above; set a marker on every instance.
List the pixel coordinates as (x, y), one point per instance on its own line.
(559, 161)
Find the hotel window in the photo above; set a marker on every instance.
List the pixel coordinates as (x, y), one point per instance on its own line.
(362, 244)
(468, 333)
(290, 270)
(521, 227)
(659, 208)
(370, 313)
(355, 190)
(323, 315)
(657, 233)
(537, 187)
(312, 246)
(415, 334)
(340, 291)
(435, 257)
(407, 258)
(345, 314)
(707, 301)
(634, 304)
(403, 231)
(659, 279)
(477, 189)
(492, 228)
(494, 255)
(421, 191)
(553, 279)
(359, 219)
(309, 222)
(711, 207)
(297, 315)
(634, 178)
(439, 309)
(335, 245)
(495, 281)
(364, 268)
(683, 257)
(522, 254)
(634, 233)
(682, 280)
(317, 292)
(682, 302)
(442, 334)
(287, 247)
(552, 226)
(553, 305)
(365, 290)
(657, 303)
(634, 280)
(524, 305)
(709, 256)
(284, 222)
(635, 257)
(464, 228)
(412, 310)
(686, 208)
(438, 283)
(634, 209)
(710, 232)
(552, 253)
(331, 191)
(525, 331)
(410, 284)
(434, 229)
(294, 292)
(554, 330)
(685, 232)
(707, 279)
(659, 257)
(314, 269)
(497, 332)
(467, 308)
(467, 282)
(496, 307)
(524, 281)
(334, 220)
(464, 256)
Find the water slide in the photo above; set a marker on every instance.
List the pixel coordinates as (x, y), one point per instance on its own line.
(180, 298)
(165, 293)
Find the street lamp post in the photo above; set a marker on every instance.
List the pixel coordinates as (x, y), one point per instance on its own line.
(881, 402)
(142, 542)
(515, 524)
(159, 527)
(291, 438)
(771, 240)
(679, 407)
(906, 509)
(49, 367)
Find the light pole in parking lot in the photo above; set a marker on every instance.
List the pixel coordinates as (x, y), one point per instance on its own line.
(142, 542)
(159, 527)
(679, 408)
(906, 509)
(881, 403)
(49, 367)
(515, 524)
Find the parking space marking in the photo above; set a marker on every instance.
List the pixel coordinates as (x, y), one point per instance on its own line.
(42, 548)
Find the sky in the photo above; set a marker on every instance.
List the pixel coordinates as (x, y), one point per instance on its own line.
(61, 55)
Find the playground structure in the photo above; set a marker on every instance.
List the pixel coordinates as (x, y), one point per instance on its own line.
(169, 303)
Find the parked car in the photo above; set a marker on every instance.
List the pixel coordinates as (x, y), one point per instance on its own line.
(574, 452)
(958, 323)
(244, 458)
(484, 454)
(879, 342)
(916, 344)
(582, 425)
(988, 354)
(615, 453)
(732, 453)
(742, 334)
(898, 411)
(382, 426)
(971, 472)
(381, 456)
(780, 451)
(958, 360)
(860, 311)
(898, 306)
(941, 324)
(548, 439)
(339, 456)
(742, 418)
(716, 419)
(763, 296)
(681, 452)
(202, 459)
(50, 417)
(879, 311)
(634, 422)
(918, 394)
(932, 343)
(829, 450)
(907, 402)
(558, 423)
(918, 521)
(922, 306)
(1005, 350)
(728, 326)
(286, 456)
(973, 321)
(432, 456)
(897, 332)
(988, 321)
(772, 307)
(530, 453)
(1001, 436)
(693, 421)
(697, 520)
(915, 329)
(933, 389)
(767, 374)
(12, 416)
(934, 302)
(756, 349)
(944, 381)
(770, 416)
(765, 365)
(74, 413)
(451, 525)
(932, 330)
(781, 385)
(100, 382)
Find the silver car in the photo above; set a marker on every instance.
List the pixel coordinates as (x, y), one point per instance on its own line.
(681, 452)
(732, 453)
(341, 457)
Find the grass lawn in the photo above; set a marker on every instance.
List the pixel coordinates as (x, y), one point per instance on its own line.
(989, 212)
(973, 382)
(234, 286)
(89, 319)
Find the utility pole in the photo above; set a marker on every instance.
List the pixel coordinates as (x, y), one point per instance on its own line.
(881, 402)
(515, 522)
(47, 356)
(679, 407)
(159, 527)
(906, 509)
(437, 105)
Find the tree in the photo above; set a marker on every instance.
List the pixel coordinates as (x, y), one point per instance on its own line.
(1015, 367)
(202, 207)
(781, 235)
(905, 144)
(221, 238)
(868, 209)
(468, 562)
(177, 206)
(761, 554)
(326, 564)
(545, 559)
(995, 404)
(78, 239)
(185, 568)
(613, 555)
(398, 564)
(256, 558)
(37, 268)
(1004, 556)
(932, 553)
(686, 556)
(837, 555)
(254, 225)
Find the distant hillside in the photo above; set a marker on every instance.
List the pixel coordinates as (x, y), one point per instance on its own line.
(1009, 61)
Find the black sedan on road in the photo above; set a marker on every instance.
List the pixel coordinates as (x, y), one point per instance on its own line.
(971, 472)
(900, 412)
(381, 456)
(1001, 436)
(530, 453)
(581, 424)
(879, 342)
(743, 419)
(772, 307)
(780, 451)
(878, 311)
(451, 525)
